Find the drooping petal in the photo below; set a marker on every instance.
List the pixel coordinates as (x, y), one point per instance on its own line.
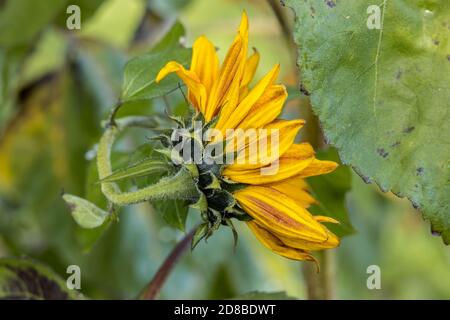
(273, 243)
(231, 116)
(197, 91)
(290, 164)
(280, 214)
(205, 62)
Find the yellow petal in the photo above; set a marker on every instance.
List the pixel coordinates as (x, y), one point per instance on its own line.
(231, 116)
(250, 68)
(205, 62)
(225, 91)
(296, 189)
(326, 219)
(273, 243)
(318, 167)
(332, 241)
(197, 91)
(290, 164)
(264, 146)
(280, 214)
(266, 109)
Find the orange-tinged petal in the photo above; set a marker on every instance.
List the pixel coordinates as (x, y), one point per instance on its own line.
(273, 243)
(205, 62)
(197, 91)
(290, 164)
(231, 115)
(280, 214)
(266, 109)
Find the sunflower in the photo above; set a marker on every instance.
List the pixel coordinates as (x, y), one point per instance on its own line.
(276, 203)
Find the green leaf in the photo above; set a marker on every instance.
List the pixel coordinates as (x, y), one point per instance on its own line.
(260, 295)
(331, 190)
(382, 94)
(174, 212)
(143, 168)
(294, 93)
(85, 213)
(22, 20)
(26, 279)
(140, 73)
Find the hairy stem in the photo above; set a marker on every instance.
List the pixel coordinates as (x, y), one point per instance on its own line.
(178, 186)
(155, 285)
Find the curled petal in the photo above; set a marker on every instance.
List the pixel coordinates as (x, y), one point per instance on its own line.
(276, 245)
(205, 62)
(197, 91)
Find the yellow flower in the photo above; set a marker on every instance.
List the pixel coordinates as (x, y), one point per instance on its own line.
(278, 202)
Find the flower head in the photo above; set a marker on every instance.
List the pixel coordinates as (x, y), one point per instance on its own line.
(273, 205)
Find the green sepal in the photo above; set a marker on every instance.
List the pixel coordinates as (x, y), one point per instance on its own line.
(199, 234)
(240, 214)
(209, 180)
(201, 204)
(233, 230)
(221, 200)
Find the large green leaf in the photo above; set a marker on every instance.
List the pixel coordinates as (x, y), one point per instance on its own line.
(382, 94)
(26, 279)
(140, 72)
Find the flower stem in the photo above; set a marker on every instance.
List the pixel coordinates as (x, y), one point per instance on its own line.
(155, 285)
(178, 186)
(321, 286)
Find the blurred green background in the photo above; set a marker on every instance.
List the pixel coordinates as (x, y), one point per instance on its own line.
(57, 85)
